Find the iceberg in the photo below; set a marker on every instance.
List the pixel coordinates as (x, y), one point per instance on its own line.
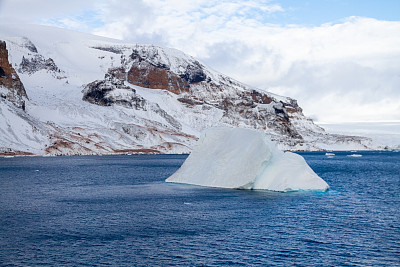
(355, 155)
(245, 159)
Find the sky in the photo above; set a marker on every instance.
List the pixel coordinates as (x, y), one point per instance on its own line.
(339, 58)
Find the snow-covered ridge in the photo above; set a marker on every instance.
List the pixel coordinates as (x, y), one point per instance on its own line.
(89, 95)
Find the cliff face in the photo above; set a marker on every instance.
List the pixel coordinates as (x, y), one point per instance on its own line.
(146, 75)
(149, 70)
(11, 87)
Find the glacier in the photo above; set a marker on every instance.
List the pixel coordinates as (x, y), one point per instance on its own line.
(241, 158)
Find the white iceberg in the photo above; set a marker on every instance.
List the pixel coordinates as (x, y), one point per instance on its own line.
(355, 155)
(245, 159)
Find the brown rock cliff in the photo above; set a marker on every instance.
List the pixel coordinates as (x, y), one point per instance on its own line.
(9, 79)
(149, 76)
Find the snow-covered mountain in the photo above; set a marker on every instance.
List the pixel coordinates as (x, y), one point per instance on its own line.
(64, 92)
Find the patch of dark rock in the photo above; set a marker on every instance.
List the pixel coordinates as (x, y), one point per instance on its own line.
(36, 63)
(189, 101)
(111, 49)
(194, 73)
(3, 74)
(31, 47)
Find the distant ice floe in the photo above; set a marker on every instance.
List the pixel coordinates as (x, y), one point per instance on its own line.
(329, 154)
(245, 159)
(355, 155)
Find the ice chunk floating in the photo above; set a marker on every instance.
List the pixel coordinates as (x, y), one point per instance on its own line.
(245, 159)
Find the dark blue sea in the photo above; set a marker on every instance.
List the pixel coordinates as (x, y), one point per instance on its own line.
(117, 210)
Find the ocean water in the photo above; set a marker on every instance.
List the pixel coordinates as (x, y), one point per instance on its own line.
(117, 210)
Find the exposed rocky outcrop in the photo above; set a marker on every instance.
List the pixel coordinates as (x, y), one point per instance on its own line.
(36, 63)
(152, 67)
(146, 74)
(29, 45)
(156, 68)
(11, 87)
(113, 91)
(100, 92)
(32, 61)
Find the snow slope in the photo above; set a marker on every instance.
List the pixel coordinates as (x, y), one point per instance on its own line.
(245, 159)
(386, 134)
(90, 95)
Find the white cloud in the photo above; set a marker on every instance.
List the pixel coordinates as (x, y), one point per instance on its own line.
(346, 71)
(31, 11)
